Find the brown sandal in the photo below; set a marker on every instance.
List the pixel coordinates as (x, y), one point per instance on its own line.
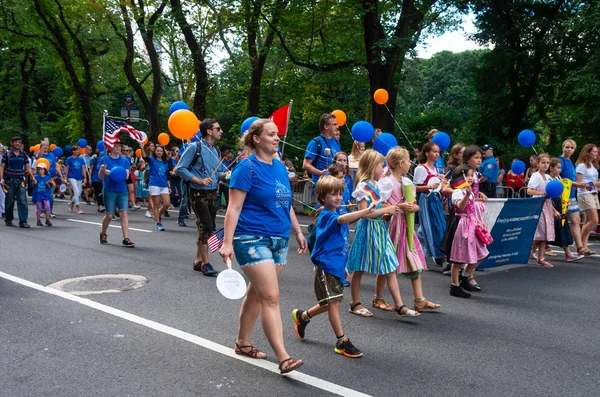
(379, 303)
(289, 365)
(426, 305)
(252, 353)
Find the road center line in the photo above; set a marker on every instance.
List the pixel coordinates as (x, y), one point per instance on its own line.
(197, 340)
(99, 224)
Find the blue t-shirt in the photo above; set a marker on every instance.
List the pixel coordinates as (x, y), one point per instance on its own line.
(52, 160)
(75, 165)
(489, 169)
(40, 190)
(330, 251)
(346, 195)
(439, 164)
(14, 165)
(266, 209)
(323, 161)
(159, 171)
(95, 168)
(568, 171)
(109, 184)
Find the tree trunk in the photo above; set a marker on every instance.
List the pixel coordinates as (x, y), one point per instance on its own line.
(24, 100)
(196, 49)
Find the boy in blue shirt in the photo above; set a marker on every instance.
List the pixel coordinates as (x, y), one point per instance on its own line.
(329, 256)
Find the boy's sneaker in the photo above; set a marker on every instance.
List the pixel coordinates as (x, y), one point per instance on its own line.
(148, 214)
(346, 348)
(136, 207)
(456, 290)
(127, 243)
(300, 323)
(181, 223)
(52, 215)
(48, 223)
(447, 268)
(39, 223)
(208, 270)
(159, 227)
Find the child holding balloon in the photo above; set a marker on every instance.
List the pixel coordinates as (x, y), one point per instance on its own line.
(545, 228)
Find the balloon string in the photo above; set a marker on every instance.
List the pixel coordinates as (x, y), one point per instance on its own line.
(398, 125)
(535, 151)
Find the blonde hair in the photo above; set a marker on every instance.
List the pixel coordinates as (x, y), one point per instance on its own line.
(542, 155)
(397, 156)
(256, 129)
(572, 142)
(431, 133)
(356, 150)
(366, 165)
(454, 153)
(328, 184)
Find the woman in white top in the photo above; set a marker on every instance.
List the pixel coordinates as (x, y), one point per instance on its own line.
(587, 174)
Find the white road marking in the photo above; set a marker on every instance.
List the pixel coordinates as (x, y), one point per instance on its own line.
(99, 224)
(197, 340)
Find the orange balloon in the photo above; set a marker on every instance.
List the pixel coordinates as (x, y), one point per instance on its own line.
(53, 146)
(36, 148)
(43, 160)
(340, 117)
(138, 153)
(183, 124)
(381, 96)
(31, 148)
(163, 138)
(145, 140)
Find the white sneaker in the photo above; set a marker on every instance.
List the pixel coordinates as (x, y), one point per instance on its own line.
(136, 207)
(148, 214)
(574, 257)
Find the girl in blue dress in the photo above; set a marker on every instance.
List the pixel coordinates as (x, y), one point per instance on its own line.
(372, 250)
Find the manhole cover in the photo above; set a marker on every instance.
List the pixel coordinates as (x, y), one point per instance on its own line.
(100, 284)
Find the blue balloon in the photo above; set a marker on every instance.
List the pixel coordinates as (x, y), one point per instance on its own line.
(246, 124)
(68, 148)
(118, 174)
(384, 142)
(362, 131)
(442, 140)
(100, 146)
(82, 143)
(178, 105)
(57, 151)
(527, 138)
(518, 167)
(554, 189)
(196, 137)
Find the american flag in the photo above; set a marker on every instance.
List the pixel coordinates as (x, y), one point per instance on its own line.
(112, 128)
(216, 240)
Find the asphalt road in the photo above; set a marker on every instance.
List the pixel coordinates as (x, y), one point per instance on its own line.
(532, 331)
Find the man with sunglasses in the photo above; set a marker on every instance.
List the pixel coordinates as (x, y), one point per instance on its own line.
(201, 167)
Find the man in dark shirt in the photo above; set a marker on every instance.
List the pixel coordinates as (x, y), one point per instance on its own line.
(15, 163)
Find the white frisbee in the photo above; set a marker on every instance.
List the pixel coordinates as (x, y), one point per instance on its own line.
(230, 283)
(62, 188)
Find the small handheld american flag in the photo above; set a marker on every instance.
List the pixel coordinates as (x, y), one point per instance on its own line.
(216, 240)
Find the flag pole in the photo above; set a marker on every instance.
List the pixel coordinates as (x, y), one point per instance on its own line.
(287, 126)
(103, 134)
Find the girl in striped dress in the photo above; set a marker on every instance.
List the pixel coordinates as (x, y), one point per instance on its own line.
(372, 250)
(411, 261)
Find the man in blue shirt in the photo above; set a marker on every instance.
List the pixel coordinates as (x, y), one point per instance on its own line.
(115, 193)
(320, 150)
(489, 172)
(200, 165)
(15, 163)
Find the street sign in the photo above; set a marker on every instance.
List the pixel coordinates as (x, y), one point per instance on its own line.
(128, 99)
(124, 113)
(134, 113)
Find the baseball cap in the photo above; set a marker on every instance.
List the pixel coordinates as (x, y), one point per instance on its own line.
(41, 165)
(487, 146)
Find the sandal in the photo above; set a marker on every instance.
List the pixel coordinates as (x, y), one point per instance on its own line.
(585, 251)
(550, 253)
(425, 305)
(252, 353)
(292, 364)
(407, 313)
(379, 303)
(543, 263)
(362, 312)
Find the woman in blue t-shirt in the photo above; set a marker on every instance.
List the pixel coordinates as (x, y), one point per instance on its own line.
(568, 171)
(158, 184)
(257, 229)
(75, 171)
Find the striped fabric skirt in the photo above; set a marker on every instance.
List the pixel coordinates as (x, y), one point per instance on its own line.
(409, 260)
(372, 250)
(432, 224)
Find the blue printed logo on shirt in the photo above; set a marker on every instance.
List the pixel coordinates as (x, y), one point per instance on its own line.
(283, 195)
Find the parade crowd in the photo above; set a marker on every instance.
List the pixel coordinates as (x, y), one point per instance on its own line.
(405, 210)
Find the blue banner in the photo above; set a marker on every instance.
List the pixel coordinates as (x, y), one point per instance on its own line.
(513, 232)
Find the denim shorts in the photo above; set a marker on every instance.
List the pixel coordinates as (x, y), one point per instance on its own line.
(251, 250)
(114, 200)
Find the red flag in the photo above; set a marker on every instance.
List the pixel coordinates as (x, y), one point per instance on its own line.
(281, 117)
